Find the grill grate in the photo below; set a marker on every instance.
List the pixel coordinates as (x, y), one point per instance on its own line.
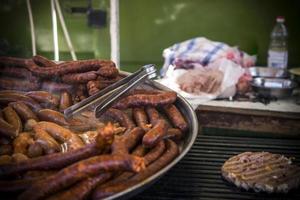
(198, 175)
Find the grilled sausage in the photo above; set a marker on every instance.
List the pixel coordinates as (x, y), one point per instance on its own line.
(23, 111)
(69, 67)
(139, 100)
(82, 189)
(42, 61)
(79, 77)
(52, 116)
(44, 97)
(17, 185)
(108, 72)
(19, 157)
(62, 134)
(17, 72)
(170, 153)
(124, 143)
(8, 97)
(5, 159)
(15, 62)
(34, 150)
(81, 170)
(156, 134)
(121, 117)
(65, 101)
(7, 130)
(174, 134)
(48, 143)
(140, 118)
(22, 142)
(153, 114)
(6, 149)
(13, 118)
(18, 84)
(176, 117)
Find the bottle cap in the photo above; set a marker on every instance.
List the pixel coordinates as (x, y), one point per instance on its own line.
(280, 19)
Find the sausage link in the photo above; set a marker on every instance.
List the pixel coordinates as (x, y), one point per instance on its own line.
(174, 134)
(153, 114)
(59, 160)
(79, 77)
(22, 142)
(23, 111)
(7, 130)
(13, 118)
(108, 72)
(17, 72)
(15, 62)
(8, 97)
(171, 152)
(156, 134)
(6, 149)
(17, 185)
(52, 116)
(18, 84)
(42, 61)
(48, 143)
(69, 67)
(139, 100)
(140, 118)
(34, 150)
(121, 117)
(124, 143)
(81, 170)
(176, 117)
(149, 157)
(65, 101)
(82, 189)
(5, 159)
(62, 134)
(19, 157)
(44, 97)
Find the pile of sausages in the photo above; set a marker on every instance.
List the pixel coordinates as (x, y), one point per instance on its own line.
(81, 78)
(46, 156)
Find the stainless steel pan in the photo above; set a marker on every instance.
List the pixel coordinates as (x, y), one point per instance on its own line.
(187, 143)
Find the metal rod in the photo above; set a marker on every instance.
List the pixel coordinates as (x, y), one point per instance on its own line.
(65, 30)
(54, 29)
(32, 31)
(114, 32)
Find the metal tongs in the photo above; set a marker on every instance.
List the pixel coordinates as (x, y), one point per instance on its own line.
(102, 100)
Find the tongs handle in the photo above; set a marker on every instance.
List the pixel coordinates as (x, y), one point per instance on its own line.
(111, 91)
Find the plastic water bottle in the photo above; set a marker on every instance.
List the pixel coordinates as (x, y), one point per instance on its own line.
(278, 49)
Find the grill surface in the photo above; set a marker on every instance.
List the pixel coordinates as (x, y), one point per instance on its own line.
(198, 175)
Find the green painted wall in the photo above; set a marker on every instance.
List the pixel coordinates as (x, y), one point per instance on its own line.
(149, 26)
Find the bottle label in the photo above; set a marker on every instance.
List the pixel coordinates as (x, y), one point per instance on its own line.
(277, 59)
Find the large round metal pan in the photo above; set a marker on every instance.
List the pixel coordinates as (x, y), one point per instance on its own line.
(187, 143)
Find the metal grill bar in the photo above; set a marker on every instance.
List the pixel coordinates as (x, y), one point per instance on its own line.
(198, 176)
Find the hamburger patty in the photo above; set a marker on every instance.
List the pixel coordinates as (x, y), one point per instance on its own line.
(262, 171)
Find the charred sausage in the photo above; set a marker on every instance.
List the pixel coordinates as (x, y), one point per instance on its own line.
(156, 134)
(48, 143)
(139, 100)
(52, 116)
(65, 101)
(81, 170)
(42, 61)
(121, 117)
(22, 142)
(23, 111)
(176, 117)
(18, 84)
(13, 118)
(140, 118)
(7, 130)
(79, 77)
(8, 97)
(44, 97)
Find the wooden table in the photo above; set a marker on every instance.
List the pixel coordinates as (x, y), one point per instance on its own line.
(281, 118)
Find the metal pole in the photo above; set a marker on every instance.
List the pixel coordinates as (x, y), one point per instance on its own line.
(54, 28)
(114, 32)
(33, 44)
